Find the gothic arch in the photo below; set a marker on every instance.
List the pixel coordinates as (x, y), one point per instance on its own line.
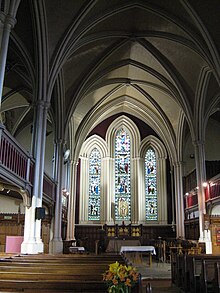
(161, 155)
(92, 142)
(132, 129)
(156, 144)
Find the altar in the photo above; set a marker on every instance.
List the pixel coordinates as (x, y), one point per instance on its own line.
(136, 252)
(76, 249)
(114, 245)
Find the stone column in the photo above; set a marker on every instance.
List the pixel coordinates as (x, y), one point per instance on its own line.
(84, 190)
(201, 178)
(141, 192)
(135, 183)
(56, 244)
(173, 199)
(162, 191)
(110, 178)
(7, 22)
(104, 190)
(178, 177)
(32, 243)
(72, 202)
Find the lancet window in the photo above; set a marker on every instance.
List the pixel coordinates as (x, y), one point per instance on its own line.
(94, 185)
(122, 176)
(151, 185)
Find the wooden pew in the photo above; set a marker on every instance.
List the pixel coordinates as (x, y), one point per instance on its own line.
(207, 275)
(182, 276)
(195, 271)
(216, 281)
(194, 267)
(55, 274)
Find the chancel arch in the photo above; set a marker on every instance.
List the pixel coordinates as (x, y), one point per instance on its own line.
(122, 175)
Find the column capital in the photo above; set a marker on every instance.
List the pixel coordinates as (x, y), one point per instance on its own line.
(2, 17)
(161, 157)
(10, 21)
(7, 20)
(73, 162)
(178, 164)
(60, 141)
(198, 142)
(44, 105)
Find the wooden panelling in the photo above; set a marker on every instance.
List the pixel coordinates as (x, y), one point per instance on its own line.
(87, 235)
(13, 225)
(192, 229)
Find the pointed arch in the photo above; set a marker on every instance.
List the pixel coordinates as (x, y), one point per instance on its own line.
(94, 185)
(92, 201)
(151, 185)
(126, 123)
(153, 143)
(92, 142)
(156, 144)
(122, 155)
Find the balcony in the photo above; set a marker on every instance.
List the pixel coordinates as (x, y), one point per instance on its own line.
(17, 168)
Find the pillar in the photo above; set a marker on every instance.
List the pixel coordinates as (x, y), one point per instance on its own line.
(135, 198)
(141, 192)
(104, 209)
(178, 178)
(162, 190)
(84, 190)
(72, 202)
(7, 22)
(32, 243)
(172, 197)
(56, 244)
(201, 178)
(109, 182)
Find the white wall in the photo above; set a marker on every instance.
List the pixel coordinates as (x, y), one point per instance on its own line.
(10, 205)
(216, 210)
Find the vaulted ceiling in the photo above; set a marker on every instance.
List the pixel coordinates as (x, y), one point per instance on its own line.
(155, 59)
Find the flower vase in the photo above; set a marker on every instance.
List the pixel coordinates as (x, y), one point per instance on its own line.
(125, 289)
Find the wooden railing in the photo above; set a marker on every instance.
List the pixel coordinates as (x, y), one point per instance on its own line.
(17, 164)
(13, 157)
(214, 187)
(49, 187)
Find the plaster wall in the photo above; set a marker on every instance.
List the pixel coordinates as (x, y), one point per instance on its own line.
(11, 205)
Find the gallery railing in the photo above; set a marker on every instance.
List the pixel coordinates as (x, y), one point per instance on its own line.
(17, 165)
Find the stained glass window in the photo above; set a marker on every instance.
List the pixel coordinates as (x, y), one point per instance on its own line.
(94, 185)
(122, 176)
(151, 185)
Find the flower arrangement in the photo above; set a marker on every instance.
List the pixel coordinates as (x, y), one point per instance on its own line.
(120, 278)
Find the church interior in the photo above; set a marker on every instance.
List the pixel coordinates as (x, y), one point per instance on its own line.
(110, 128)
